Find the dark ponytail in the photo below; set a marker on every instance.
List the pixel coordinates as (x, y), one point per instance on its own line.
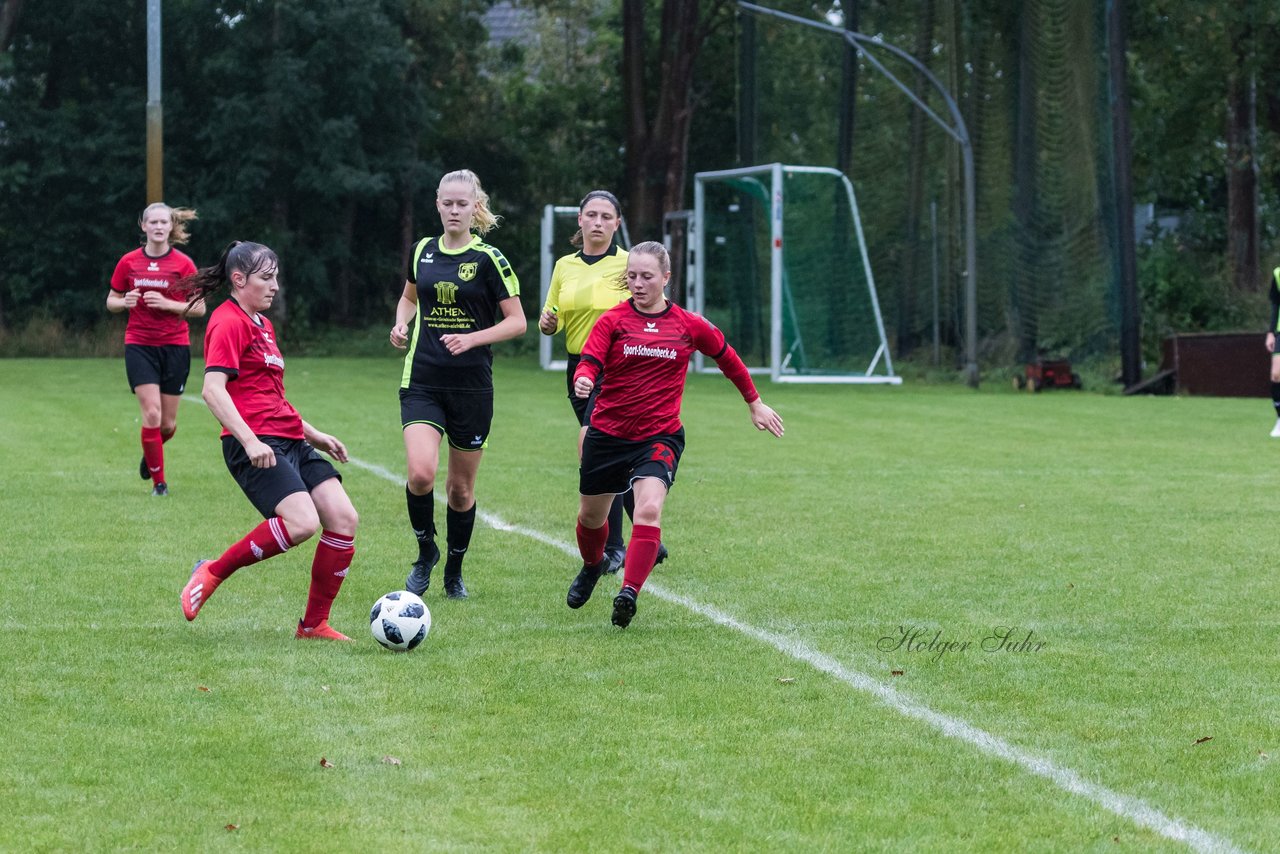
(239, 256)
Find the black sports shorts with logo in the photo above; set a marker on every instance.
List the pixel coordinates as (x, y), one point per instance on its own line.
(166, 366)
(611, 465)
(464, 416)
(299, 468)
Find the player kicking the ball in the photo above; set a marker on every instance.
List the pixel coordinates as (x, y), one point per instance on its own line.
(268, 448)
(642, 346)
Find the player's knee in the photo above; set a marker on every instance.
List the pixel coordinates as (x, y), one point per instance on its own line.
(588, 518)
(1275, 371)
(461, 495)
(302, 524)
(647, 515)
(344, 520)
(151, 416)
(421, 482)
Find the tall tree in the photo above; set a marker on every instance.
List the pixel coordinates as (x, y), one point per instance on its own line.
(9, 12)
(1242, 146)
(659, 107)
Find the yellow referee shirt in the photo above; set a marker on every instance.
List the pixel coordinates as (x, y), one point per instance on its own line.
(581, 292)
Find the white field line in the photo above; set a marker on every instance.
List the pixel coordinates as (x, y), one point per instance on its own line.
(1133, 809)
(1125, 806)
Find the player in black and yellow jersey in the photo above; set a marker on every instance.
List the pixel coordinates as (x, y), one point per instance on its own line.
(584, 285)
(462, 296)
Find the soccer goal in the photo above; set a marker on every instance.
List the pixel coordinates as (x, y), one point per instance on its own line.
(559, 223)
(780, 265)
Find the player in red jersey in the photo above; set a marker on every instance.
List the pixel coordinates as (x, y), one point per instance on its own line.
(635, 439)
(583, 287)
(157, 344)
(268, 448)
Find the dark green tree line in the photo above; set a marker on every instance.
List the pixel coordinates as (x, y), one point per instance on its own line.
(320, 127)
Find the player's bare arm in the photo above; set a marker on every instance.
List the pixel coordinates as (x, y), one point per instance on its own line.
(512, 325)
(406, 309)
(325, 442)
(224, 409)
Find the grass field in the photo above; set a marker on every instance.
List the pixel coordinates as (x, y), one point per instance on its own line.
(762, 700)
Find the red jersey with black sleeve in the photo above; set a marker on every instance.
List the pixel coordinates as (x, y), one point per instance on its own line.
(245, 349)
(139, 271)
(639, 362)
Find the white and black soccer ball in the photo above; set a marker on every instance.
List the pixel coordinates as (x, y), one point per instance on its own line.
(399, 621)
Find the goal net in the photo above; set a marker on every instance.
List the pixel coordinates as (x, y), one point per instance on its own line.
(781, 266)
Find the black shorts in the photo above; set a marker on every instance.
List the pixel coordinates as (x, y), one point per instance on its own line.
(166, 366)
(610, 464)
(299, 468)
(582, 406)
(464, 416)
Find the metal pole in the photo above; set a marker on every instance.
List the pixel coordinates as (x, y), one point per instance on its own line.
(155, 116)
(933, 231)
(970, 270)
(775, 275)
(1122, 155)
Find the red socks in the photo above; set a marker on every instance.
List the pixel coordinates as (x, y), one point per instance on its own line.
(267, 540)
(153, 452)
(591, 542)
(328, 569)
(641, 553)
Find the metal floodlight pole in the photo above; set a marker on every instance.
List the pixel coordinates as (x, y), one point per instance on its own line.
(957, 130)
(155, 120)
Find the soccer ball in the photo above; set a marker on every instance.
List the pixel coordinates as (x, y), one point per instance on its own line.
(399, 621)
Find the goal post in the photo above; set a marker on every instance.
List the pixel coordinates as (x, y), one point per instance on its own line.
(781, 266)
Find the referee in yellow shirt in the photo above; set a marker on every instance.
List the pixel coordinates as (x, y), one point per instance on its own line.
(584, 285)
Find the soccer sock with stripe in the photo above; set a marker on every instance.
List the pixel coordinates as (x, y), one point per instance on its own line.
(153, 452)
(267, 540)
(328, 569)
(1275, 398)
(422, 509)
(458, 527)
(614, 542)
(591, 543)
(641, 554)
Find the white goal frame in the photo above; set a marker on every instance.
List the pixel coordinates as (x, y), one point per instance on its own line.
(772, 175)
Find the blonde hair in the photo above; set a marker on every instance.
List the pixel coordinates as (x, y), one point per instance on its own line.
(178, 216)
(649, 247)
(657, 250)
(483, 220)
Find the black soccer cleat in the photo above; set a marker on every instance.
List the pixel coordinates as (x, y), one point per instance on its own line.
(143, 471)
(160, 489)
(613, 561)
(454, 588)
(419, 578)
(662, 554)
(624, 608)
(583, 584)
